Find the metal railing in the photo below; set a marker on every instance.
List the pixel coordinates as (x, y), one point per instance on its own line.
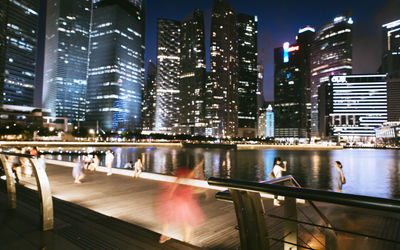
(251, 216)
(42, 182)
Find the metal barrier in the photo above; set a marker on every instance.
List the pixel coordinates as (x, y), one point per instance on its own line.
(45, 197)
(251, 215)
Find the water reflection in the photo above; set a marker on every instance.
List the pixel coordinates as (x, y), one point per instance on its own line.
(367, 171)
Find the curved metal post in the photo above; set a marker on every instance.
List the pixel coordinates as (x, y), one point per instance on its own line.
(45, 198)
(11, 192)
(250, 216)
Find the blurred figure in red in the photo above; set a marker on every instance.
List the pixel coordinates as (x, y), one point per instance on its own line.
(34, 151)
(176, 205)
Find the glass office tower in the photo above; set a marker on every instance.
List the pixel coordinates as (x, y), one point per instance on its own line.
(66, 58)
(149, 98)
(247, 76)
(331, 55)
(168, 62)
(18, 59)
(192, 74)
(222, 104)
(116, 67)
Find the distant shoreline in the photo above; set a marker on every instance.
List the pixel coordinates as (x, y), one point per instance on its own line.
(162, 144)
(238, 146)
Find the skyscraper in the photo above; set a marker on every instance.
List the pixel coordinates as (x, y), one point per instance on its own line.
(66, 58)
(149, 98)
(331, 55)
(391, 48)
(192, 74)
(391, 66)
(168, 72)
(224, 71)
(116, 67)
(247, 75)
(18, 58)
(3, 25)
(291, 81)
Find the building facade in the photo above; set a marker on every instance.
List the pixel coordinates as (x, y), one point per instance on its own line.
(291, 82)
(192, 74)
(260, 86)
(149, 98)
(391, 48)
(247, 75)
(66, 58)
(359, 106)
(3, 25)
(18, 59)
(331, 55)
(391, 66)
(266, 123)
(116, 67)
(168, 72)
(224, 71)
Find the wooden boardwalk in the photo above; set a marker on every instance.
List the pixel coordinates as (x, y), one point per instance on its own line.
(75, 228)
(132, 200)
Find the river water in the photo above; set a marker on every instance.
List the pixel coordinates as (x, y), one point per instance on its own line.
(372, 172)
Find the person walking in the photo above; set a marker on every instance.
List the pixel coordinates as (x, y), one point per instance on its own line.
(177, 205)
(109, 161)
(339, 177)
(138, 168)
(42, 162)
(34, 151)
(77, 171)
(277, 170)
(96, 162)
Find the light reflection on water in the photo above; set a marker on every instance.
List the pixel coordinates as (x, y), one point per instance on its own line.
(368, 171)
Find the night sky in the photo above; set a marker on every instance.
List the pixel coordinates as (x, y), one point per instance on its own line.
(279, 21)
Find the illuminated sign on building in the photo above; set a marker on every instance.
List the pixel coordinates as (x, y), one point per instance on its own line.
(308, 28)
(286, 52)
(293, 48)
(339, 79)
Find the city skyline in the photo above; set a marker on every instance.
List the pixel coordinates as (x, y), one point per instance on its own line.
(280, 21)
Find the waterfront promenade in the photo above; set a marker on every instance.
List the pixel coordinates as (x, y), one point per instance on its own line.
(132, 200)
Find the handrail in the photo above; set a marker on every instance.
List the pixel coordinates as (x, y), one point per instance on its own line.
(362, 201)
(294, 181)
(42, 181)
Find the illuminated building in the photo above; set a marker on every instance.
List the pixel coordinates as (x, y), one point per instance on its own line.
(331, 55)
(168, 63)
(291, 86)
(19, 21)
(269, 122)
(266, 123)
(223, 103)
(192, 74)
(260, 86)
(388, 133)
(149, 98)
(66, 58)
(247, 75)
(3, 25)
(391, 48)
(116, 67)
(391, 65)
(359, 105)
